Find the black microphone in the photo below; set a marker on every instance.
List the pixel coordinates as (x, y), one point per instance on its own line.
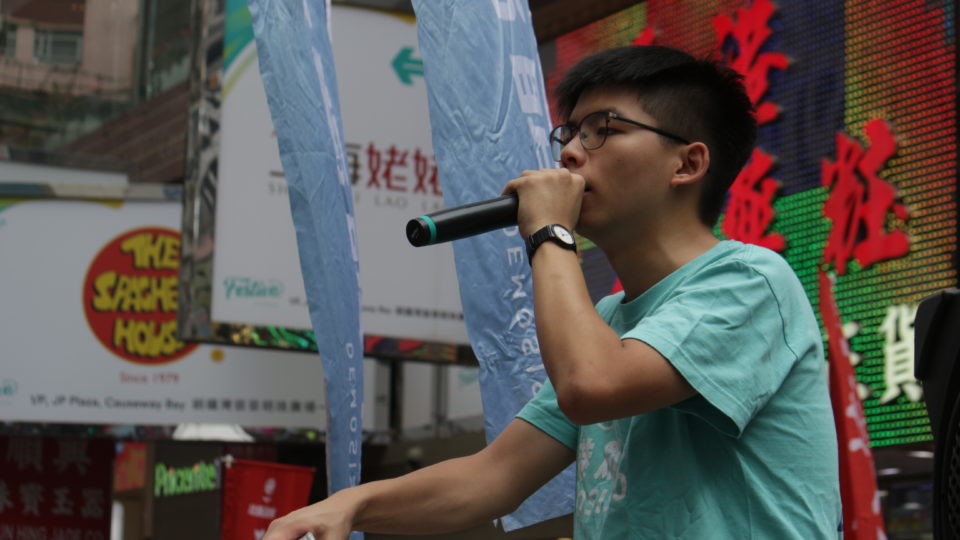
(463, 221)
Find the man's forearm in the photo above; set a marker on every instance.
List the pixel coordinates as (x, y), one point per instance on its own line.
(448, 496)
(575, 343)
(440, 498)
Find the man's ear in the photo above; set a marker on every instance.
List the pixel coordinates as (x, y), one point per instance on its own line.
(694, 164)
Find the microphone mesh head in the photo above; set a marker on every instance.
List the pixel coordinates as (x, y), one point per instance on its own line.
(417, 233)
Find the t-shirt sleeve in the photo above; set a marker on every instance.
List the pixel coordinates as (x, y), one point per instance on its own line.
(543, 413)
(725, 333)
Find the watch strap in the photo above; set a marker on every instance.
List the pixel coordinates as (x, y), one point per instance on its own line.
(548, 233)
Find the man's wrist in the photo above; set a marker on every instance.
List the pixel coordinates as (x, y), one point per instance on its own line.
(554, 233)
(351, 503)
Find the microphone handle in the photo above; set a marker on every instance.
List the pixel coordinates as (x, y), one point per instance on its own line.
(463, 221)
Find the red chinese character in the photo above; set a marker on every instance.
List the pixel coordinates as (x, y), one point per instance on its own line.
(860, 200)
(750, 210)
(398, 159)
(425, 167)
(373, 165)
(646, 37)
(749, 31)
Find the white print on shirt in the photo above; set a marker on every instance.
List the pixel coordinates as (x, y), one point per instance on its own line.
(584, 453)
(608, 483)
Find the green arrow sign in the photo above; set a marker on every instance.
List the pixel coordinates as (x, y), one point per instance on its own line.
(406, 65)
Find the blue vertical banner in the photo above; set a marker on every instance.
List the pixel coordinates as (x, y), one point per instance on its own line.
(489, 120)
(296, 63)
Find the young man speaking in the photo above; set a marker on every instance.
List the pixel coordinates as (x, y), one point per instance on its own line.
(694, 402)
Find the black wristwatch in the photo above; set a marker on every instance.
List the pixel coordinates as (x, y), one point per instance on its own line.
(558, 234)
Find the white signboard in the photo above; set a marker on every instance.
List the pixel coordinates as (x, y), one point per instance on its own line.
(87, 322)
(406, 292)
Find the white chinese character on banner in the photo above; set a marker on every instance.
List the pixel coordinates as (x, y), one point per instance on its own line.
(897, 328)
(851, 329)
(859, 442)
(31, 495)
(62, 503)
(539, 136)
(26, 452)
(508, 10)
(72, 452)
(93, 500)
(526, 83)
(5, 501)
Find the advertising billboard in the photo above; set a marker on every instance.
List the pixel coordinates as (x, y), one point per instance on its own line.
(88, 328)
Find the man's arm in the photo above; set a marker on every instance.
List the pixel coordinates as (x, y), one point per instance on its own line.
(597, 376)
(448, 496)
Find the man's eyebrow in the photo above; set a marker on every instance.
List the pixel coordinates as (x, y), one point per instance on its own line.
(571, 122)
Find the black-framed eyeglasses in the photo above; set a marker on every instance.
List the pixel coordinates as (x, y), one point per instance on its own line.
(593, 130)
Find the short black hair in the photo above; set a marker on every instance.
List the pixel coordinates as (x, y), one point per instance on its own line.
(700, 100)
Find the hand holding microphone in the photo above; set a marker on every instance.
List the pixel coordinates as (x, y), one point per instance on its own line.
(549, 192)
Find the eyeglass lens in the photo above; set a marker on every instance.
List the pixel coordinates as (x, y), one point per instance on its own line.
(592, 132)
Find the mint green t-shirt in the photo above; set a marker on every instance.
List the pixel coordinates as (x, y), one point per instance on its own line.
(754, 454)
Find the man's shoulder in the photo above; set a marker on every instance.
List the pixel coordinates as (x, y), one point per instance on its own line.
(750, 254)
(754, 259)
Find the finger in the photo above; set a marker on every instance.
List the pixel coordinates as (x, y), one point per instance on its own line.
(286, 528)
(514, 185)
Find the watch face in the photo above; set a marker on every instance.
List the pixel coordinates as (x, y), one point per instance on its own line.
(563, 234)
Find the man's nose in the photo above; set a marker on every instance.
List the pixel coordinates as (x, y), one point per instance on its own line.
(573, 154)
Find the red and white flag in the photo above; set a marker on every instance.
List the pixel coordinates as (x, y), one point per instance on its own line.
(862, 519)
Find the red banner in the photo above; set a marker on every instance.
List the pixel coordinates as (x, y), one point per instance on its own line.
(858, 484)
(130, 466)
(255, 493)
(55, 488)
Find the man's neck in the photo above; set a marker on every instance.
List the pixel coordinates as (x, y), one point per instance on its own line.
(646, 260)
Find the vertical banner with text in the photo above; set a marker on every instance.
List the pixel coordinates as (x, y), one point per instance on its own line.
(296, 63)
(490, 121)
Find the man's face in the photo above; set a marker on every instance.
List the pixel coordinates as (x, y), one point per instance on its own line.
(628, 177)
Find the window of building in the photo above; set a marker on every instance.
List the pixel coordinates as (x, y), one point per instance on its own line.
(8, 39)
(89, 64)
(165, 52)
(58, 47)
